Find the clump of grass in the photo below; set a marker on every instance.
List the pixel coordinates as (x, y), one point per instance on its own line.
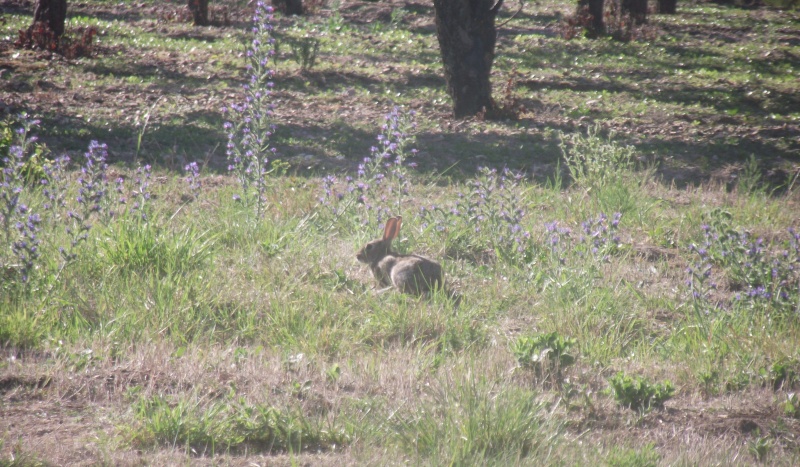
(646, 456)
(148, 247)
(605, 170)
(229, 424)
(471, 422)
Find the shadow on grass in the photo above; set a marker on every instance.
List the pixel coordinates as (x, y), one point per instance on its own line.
(196, 137)
(722, 98)
(158, 76)
(199, 137)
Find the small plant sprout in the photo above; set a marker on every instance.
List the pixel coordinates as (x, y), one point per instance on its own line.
(791, 407)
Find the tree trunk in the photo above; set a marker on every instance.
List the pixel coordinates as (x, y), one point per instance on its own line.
(467, 37)
(667, 7)
(53, 13)
(595, 9)
(636, 8)
(290, 7)
(199, 9)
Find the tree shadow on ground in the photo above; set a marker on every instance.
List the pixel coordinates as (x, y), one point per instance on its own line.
(155, 74)
(456, 154)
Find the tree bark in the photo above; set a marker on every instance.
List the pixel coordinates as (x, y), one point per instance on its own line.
(53, 13)
(667, 7)
(467, 37)
(595, 9)
(291, 7)
(636, 8)
(199, 9)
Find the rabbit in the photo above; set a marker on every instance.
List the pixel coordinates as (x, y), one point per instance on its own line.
(410, 274)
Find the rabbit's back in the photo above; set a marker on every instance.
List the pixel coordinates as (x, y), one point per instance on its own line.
(415, 274)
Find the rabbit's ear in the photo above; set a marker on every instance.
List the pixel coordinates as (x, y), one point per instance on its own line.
(392, 228)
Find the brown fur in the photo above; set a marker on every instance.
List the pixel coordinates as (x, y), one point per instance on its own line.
(412, 274)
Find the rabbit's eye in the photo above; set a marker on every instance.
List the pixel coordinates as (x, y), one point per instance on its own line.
(369, 247)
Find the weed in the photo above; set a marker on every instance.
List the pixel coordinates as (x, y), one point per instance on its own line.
(759, 447)
(250, 124)
(636, 393)
(764, 276)
(141, 192)
(492, 211)
(304, 50)
(791, 408)
(193, 179)
(567, 257)
(750, 179)
(544, 352)
(594, 161)
(380, 189)
(20, 224)
(783, 373)
(92, 200)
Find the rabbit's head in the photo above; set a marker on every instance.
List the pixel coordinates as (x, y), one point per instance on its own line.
(376, 250)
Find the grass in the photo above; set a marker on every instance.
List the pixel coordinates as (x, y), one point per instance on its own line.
(203, 333)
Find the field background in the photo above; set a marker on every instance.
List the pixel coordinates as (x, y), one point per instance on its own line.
(206, 336)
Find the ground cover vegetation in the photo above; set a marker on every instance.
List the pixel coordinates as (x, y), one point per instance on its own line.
(181, 211)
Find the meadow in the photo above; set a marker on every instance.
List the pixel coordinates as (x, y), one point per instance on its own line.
(178, 281)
